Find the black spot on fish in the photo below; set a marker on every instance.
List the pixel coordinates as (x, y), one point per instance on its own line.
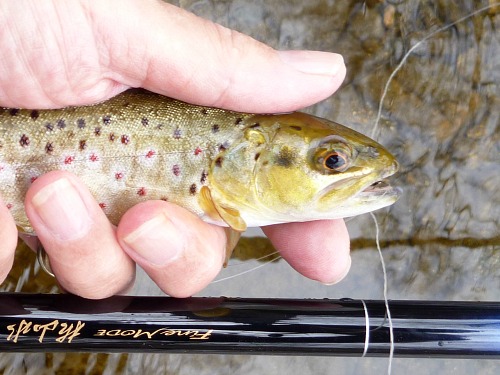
(177, 133)
(160, 126)
(112, 137)
(203, 178)
(106, 120)
(61, 124)
(204, 111)
(192, 189)
(218, 162)
(222, 148)
(125, 139)
(83, 144)
(295, 127)
(49, 148)
(257, 156)
(144, 121)
(80, 123)
(24, 141)
(49, 126)
(13, 111)
(34, 114)
(97, 131)
(238, 121)
(256, 125)
(215, 128)
(285, 157)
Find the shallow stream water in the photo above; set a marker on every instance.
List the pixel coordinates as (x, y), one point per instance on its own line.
(441, 116)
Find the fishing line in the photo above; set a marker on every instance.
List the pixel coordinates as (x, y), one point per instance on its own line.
(407, 54)
(235, 264)
(367, 329)
(374, 131)
(247, 271)
(386, 300)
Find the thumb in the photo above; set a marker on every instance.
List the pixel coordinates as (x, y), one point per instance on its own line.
(173, 52)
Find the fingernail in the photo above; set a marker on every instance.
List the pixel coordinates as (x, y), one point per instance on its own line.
(341, 276)
(157, 241)
(313, 62)
(62, 210)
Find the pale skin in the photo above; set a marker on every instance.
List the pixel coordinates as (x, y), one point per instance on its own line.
(76, 52)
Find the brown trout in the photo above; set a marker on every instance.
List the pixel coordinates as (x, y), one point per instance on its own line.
(231, 169)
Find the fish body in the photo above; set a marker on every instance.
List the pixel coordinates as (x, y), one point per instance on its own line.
(229, 168)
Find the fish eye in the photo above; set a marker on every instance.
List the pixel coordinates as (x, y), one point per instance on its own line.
(330, 161)
(335, 161)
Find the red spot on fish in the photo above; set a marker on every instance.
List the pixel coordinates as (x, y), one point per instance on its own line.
(125, 139)
(176, 169)
(69, 159)
(197, 151)
(141, 192)
(94, 157)
(150, 154)
(102, 205)
(118, 175)
(9, 206)
(33, 179)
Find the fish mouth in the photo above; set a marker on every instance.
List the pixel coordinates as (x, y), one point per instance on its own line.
(381, 188)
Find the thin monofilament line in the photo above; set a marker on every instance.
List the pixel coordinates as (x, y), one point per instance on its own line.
(405, 57)
(374, 131)
(243, 263)
(386, 299)
(244, 272)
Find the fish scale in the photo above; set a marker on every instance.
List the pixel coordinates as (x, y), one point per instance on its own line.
(137, 146)
(229, 168)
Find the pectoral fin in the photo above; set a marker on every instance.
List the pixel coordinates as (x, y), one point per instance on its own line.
(217, 212)
(230, 216)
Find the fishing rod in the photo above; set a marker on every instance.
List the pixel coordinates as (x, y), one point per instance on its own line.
(344, 327)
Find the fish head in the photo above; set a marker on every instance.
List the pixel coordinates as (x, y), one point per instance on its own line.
(297, 167)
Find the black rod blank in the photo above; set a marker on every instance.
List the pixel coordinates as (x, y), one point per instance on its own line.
(57, 322)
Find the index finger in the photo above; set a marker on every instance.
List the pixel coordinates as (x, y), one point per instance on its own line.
(317, 249)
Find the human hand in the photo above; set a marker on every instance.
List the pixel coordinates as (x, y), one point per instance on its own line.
(75, 52)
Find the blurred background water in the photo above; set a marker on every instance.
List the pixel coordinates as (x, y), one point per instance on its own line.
(441, 117)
